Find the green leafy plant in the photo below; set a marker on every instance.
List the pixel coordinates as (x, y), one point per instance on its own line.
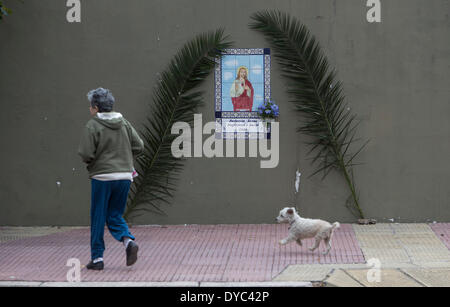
(175, 98)
(316, 95)
(5, 11)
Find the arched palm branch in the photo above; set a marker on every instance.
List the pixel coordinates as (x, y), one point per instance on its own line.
(175, 99)
(316, 94)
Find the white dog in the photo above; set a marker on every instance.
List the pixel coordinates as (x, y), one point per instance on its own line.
(301, 228)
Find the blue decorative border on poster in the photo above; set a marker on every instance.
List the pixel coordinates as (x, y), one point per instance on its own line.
(244, 124)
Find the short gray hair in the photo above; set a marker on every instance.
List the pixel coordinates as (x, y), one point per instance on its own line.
(102, 99)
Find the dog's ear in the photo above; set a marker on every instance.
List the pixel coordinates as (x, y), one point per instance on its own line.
(290, 211)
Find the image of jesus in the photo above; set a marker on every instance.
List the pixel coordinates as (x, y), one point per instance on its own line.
(242, 92)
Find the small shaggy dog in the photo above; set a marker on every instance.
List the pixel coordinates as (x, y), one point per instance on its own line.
(301, 228)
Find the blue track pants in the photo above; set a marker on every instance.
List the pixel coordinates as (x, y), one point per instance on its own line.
(108, 201)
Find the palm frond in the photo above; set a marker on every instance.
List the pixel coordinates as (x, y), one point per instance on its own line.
(316, 94)
(175, 99)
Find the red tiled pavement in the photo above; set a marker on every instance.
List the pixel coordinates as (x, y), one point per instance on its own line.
(442, 230)
(174, 253)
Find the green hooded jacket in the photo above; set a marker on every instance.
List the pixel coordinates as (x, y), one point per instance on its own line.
(109, 145)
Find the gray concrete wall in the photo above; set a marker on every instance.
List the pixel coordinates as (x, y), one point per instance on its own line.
(395, 74)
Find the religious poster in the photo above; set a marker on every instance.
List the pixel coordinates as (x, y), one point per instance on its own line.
(242, 84)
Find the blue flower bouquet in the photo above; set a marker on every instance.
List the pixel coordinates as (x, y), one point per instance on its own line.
(268, 110)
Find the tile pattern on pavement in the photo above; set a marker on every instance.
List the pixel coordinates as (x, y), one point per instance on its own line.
(226, 253)
(442, 230)
(388, 278)
(401, 243)
(342, 279)
(410, 255)
(16, 233)
(430, 277)
(304, 273)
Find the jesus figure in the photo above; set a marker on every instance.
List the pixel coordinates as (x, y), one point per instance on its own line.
(241, 91)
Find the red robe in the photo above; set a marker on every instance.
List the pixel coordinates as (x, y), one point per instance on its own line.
(243, 102)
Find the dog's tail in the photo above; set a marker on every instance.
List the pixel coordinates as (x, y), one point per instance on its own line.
(335, 225)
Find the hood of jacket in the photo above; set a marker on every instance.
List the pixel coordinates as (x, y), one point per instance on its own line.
(112, 120)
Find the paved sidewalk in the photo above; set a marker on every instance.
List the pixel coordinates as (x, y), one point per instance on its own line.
(411, 255)
(232, 255)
